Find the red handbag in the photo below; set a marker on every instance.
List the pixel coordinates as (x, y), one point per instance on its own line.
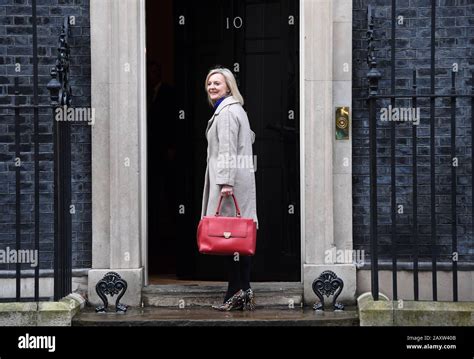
(227, 235)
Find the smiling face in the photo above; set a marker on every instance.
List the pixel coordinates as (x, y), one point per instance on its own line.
(217, 87)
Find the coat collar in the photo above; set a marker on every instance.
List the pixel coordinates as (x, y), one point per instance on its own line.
(229, 100)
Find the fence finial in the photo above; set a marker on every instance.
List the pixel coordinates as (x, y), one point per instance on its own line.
(373, 75)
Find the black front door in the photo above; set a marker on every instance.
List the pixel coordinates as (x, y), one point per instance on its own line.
(258, 42)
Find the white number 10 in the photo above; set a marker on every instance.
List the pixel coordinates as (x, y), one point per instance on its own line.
(237, 22)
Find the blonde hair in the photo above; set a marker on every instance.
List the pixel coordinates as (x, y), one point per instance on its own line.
(230, 82)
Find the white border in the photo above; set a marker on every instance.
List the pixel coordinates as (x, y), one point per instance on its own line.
(302, 139)
(143, 142)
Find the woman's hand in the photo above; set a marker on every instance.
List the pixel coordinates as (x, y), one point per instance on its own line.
(227, 190)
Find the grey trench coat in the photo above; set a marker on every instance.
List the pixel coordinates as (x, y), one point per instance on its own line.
(230, 161)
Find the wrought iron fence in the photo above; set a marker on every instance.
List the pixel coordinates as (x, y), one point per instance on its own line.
(373, 100)
(60, 92)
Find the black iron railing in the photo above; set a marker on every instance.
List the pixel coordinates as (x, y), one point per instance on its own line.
(60, 96)
(373, 77)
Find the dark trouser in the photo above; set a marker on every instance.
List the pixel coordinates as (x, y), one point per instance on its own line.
(239, 275)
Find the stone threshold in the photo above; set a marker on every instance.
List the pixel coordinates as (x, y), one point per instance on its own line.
(268, 294)
(153, 316)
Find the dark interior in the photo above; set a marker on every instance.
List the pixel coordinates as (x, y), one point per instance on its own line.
(258, 42)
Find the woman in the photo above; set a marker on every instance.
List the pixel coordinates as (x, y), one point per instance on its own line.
(230, 140)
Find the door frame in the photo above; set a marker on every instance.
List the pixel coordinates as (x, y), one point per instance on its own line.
(143, 147)
(302, 139)
(119, 215)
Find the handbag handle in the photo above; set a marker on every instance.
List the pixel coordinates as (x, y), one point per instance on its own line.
(235, 202)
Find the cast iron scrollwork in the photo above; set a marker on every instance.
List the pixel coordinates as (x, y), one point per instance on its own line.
(111, 284)
(328, 283)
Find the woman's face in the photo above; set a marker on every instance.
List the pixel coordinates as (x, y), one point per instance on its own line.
(216, 86)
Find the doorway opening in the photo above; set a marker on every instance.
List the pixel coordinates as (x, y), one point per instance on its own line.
(259, 42)
(162, 140)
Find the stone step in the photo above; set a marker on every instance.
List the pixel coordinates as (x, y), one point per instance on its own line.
(268, 294)
(198, 316)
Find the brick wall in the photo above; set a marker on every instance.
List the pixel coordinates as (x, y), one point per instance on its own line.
(16, 48)
(454, 44)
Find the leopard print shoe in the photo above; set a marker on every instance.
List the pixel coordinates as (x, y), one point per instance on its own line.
(249, 300)
(236, 302)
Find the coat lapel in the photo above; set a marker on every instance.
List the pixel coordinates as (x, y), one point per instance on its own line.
(209, 123)
(228, 101)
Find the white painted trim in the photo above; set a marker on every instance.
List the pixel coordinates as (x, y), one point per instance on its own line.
(302, 147)
(143, 141)
(143, 144)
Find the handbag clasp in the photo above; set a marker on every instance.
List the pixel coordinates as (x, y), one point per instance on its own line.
(227, 234)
